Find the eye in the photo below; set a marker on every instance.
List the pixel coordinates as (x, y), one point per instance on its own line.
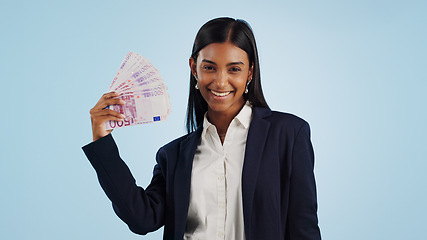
(235, 69)
(208, 68)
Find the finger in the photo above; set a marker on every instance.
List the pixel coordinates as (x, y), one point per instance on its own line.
(99, 122)
(111, 101)
(106, 96)
(103, 119)
(109, 95)
(107, 112)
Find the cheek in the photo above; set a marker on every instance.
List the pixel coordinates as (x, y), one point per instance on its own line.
(240, 84)
(204, 80)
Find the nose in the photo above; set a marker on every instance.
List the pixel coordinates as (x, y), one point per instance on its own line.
(221, 80)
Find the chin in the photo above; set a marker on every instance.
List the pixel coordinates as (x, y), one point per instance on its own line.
(219, 107)
(233, 108)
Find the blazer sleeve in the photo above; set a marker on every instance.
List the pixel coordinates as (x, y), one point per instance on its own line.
(302, 216)
(143, 210)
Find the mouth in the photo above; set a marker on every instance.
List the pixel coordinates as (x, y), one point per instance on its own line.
(220, 94)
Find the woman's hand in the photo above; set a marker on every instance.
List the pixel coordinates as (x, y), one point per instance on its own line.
(99, 114)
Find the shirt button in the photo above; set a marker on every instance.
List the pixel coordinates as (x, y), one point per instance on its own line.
(221, 178)
(220, 234)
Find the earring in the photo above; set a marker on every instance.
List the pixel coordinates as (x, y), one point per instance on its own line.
(197, 83)
(247, 85)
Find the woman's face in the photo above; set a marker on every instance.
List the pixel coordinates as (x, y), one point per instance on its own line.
(222, 70)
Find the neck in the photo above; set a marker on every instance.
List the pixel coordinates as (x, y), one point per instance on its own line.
(221, 120)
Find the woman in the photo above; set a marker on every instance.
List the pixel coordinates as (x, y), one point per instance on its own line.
(242, 172)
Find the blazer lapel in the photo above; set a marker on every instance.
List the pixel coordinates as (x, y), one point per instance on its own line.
(257, 136)
(182, 179)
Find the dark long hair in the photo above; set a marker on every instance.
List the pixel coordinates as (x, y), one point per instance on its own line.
(220, 30)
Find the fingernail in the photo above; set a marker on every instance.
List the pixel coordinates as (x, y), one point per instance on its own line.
(123, 116)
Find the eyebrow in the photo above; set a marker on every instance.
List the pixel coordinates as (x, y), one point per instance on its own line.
(229, 64)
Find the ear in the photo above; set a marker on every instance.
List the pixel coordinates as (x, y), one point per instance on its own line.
(251, 72)
(193, 66)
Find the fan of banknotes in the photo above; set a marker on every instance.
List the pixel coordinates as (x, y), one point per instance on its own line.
(140, 85)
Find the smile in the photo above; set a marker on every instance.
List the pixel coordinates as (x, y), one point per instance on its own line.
(220, 94)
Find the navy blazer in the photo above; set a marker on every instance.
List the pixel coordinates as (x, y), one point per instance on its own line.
(278, 185)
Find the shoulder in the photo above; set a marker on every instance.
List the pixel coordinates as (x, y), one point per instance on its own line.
(180, 148)
(281, 120)
(288, 118)
(182, 143)
(174, 144)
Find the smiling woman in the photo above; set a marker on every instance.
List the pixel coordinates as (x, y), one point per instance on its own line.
(242, 171)
(222, 72)
(224, 30)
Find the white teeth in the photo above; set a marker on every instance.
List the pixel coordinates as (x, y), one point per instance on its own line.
(220, 94)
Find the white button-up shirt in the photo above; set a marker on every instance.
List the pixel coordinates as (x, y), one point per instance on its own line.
(216, 208)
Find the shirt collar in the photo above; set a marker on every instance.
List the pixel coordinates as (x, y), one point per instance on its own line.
(244, 117)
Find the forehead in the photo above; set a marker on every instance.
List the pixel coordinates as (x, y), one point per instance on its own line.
(223, 52)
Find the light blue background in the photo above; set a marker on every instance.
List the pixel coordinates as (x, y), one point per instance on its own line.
(355, 70)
